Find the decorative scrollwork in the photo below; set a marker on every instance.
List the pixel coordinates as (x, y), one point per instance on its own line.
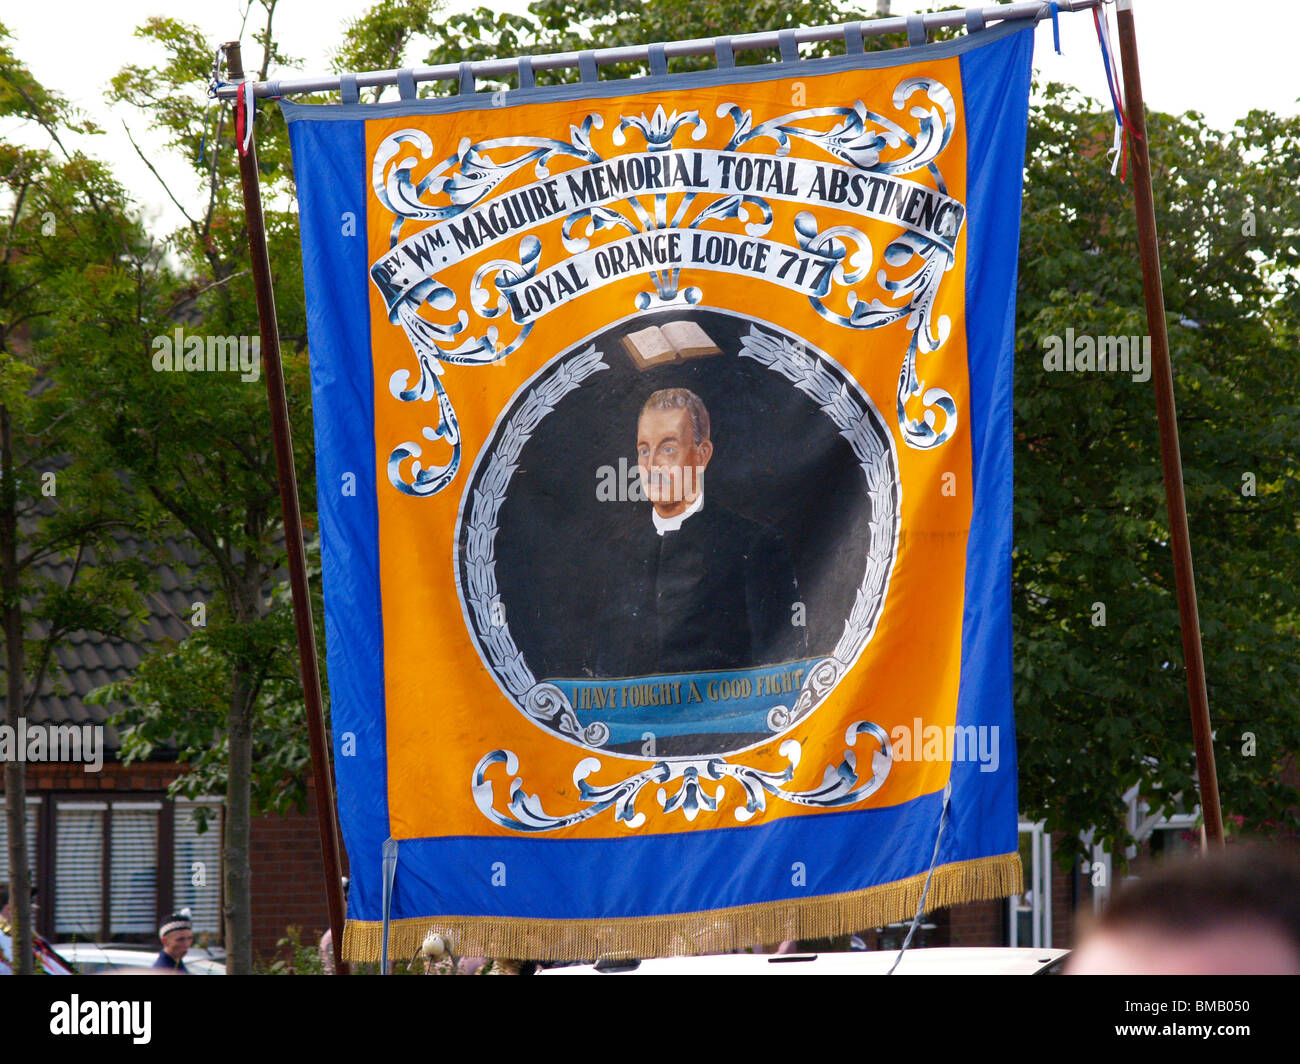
(861, 138)
(841, 786)
(468, 175)
(660, 128)
(918, 289)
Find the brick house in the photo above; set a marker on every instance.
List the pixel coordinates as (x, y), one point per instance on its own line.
(111, 853)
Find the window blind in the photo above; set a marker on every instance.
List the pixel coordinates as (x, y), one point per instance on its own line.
(133, 882)
(79, 869)
(197, 882)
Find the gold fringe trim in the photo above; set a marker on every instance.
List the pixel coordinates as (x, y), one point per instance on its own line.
(685, 934)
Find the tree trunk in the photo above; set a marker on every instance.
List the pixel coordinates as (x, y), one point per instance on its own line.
(236, 870)
(20, 884)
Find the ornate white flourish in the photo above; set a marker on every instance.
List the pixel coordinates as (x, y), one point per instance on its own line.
(660, 128)
(860, 140)
(841, 786)
(863, 135)
(464, 178)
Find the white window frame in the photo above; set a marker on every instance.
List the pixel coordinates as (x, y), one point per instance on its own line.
(1040, 886)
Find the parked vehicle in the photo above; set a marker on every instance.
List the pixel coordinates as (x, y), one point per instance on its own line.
(108, 958)
(937, 961)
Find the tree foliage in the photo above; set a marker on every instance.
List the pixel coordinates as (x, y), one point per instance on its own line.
(66, 559)
(1103, 707)
(197, 446)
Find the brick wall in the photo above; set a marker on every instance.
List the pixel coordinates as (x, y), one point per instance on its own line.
(978, 924)
(288, 883)
(60, 776)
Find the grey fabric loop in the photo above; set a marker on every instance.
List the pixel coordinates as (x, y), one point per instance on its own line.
(726, 57)
(789, 46)
(467, 83)
(974, 20)
(915, 31)
(406, 84)
(526, 77)
(348, 89)
(853, 39)
(272, 89)
(658, 61)
(587, 66)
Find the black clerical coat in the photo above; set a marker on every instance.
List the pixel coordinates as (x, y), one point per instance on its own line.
(716, 594)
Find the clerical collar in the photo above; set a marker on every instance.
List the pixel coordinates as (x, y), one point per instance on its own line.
(672, 524)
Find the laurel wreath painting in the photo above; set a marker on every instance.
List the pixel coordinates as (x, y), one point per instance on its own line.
(911, 267)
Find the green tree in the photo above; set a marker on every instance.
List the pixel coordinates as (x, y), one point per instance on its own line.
(65, 564)
(197, 446)
(572, 25)
(1101, 696)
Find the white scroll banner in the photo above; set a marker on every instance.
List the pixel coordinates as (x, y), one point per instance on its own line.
(413, 262)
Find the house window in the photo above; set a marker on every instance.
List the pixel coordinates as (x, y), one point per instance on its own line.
(115, 866)
(1176, 835)
(133, 869)
(79, 863)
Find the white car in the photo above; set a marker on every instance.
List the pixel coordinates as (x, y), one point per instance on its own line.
(936, 961)
(93, 958)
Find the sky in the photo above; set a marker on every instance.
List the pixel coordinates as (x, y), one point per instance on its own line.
(1221, 59)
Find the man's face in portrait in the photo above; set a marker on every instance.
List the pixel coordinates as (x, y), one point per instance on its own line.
(669, 460)
(178, 943)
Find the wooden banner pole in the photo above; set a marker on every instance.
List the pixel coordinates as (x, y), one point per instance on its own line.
(1162, 377)
(279, 408)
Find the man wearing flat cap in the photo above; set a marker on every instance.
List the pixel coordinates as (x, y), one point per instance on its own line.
(177, 936)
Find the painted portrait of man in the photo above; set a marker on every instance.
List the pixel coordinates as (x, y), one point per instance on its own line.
(692, 586)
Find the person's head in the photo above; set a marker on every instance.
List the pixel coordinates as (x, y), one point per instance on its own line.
(673, 447)
(1235, 912)
(176, 934)
(6, 911)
